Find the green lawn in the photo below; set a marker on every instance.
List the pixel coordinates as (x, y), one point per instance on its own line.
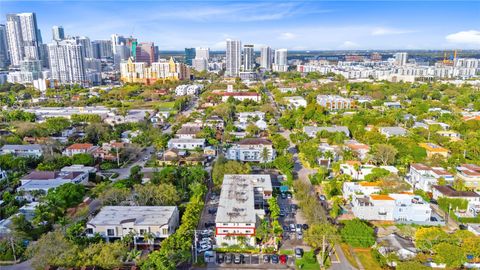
(308, 261)
(165, 105)
(365, 257)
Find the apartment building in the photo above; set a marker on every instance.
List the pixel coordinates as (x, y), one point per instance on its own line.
(115, 222)
(241, 96)
(334, 102)
(188, 90)
(186, 144)
(470, 174)
(245, 117)
(241, 205)
(295, 102)
(402, 208)
(251, 149)
(424, 177)
(22, 150)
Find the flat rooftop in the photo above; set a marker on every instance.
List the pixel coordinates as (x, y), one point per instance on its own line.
(237, 202)
(139, 215)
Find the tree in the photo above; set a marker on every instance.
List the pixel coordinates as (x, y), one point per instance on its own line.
(264, 155)
(451, 255)
(357, 233)
(83, 159)
(53, 249)
(427, 238)
(315, 234)
(222, 167)
(114, 196)
(409, 265)
(384, 154)
(104, 255)
(22, 228)
(150, 194)
(274, 208)
(279, 142)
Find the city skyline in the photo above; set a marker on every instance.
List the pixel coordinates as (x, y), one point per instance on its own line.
(293, 25)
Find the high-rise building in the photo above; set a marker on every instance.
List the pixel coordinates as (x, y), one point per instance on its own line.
(401, 58)
(86, 46)
(139, 72)
(58, 33)
(200, 64)
(248, 57)
(145, 52)
(22, 37)
(234, 58)
(67, 62)
(281, 64)
(122, 53)
(266, 57)
(117, 40)
(102, 49)
(3, 46)
(202, 53)
(190, 54)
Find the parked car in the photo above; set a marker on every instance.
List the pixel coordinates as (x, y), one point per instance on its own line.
(283, 195)
(283, 259)
(213, 196)
(289, 196)
(266, 258)
(282, 213)
(305, 227)
(298, 253)
(212, 211)
(299, 235)
(299, 228)
(220, 258)
(292, 227)
(209, 224)
(285, 228)
(462, 227)
(275, 259)
(322, 197)
(238, 258)
(228, 258)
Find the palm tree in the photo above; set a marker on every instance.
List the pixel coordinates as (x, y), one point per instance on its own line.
(150, 239)
(329, 156)
(264, 155)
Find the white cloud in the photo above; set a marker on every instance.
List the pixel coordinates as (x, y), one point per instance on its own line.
(349, 45)
(471, 37)
(382, 31)
(287, 35)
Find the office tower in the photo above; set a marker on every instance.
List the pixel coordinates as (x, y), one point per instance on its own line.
(122, 53)
(189, 55)
(3, 47)
(248, 57)
(67, 62)
(102, 49)
(280, 64)
(401, 58)
(58, 33)
(86, 46)
(200, 64)
(266, 58)
(22, 37)
(234, 57)
(117, 40)
(157, 53)
(202, 53)
(145, 52)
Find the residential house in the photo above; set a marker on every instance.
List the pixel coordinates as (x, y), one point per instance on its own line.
(109, 151)
(360, 188)
(349, 168)
(3, 175)
(186, 144)
(188, 131)
(360, 149)
(329, 153)
(473, 199)
(454, 136)
(401, 208)
(188, 90)
(286, 90)
(246, 117)
(215, 122)
(251, 150)
(79, 148)
(178, 157)
(241, 206)
(22, 150)
(116, 222)
(241, 96)
(392, 105)
(424, 177)
(393, 131)
(312, 131)
(470, 174)
(434, 149)
(403, 248)
(295, 102)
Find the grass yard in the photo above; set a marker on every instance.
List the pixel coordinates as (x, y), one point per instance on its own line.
(165, 105)
(348, 255)
(309, 261)
(365, 257)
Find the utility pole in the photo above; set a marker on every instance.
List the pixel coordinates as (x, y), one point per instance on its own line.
(323, 251)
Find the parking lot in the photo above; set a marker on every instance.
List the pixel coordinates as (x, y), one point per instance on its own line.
(249, 261)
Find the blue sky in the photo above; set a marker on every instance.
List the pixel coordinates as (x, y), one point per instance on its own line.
(302, 25)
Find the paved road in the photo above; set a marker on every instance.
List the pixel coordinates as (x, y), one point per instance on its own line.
(21, 266)
(140, 161)
(339, 262)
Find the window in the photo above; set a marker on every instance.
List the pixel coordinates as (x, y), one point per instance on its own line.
(248, 224)
(89, 231)
(142, 231)
(110, 232)
(225, 231)
(165, 231)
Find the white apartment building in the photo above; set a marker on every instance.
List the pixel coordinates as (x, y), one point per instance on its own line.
(186, 144)
(470, 174)
(241, 96)
(280, 63)
(351, 189)
(251, 150)
(266, 58)
(233, 57)
(424, 177)
(348, 168)
(402, 208)
(22, 37)
(22, 150)
(334, 102)
(241, 205)
(115, 222)
(67, 64)
(245, 117)
(248, 57)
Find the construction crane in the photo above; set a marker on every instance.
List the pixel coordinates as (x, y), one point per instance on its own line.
(451, 60)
